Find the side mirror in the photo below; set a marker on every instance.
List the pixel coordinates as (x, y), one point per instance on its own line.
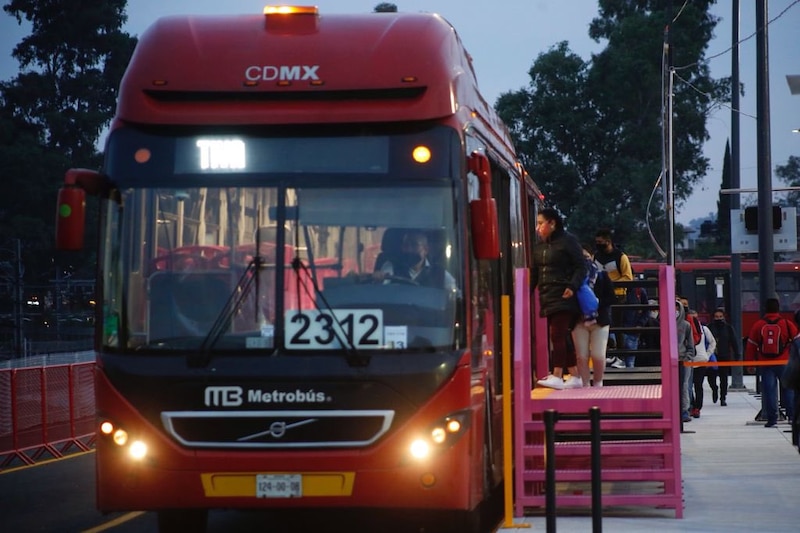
(483, 211)
(71, 206)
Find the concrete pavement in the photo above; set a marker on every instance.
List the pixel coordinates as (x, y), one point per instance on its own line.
(738, 476)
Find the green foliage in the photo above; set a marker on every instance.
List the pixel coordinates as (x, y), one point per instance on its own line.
(724, 204)
(54, 111)
(386, 7)
(591, 132)
(790, 175)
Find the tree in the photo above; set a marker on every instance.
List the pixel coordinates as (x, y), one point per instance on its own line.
(591, 132)
(53, 112)
(724, 202)
(790, 175)
(386, 7)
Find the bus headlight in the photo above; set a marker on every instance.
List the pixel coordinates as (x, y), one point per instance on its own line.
(120, 437)
(135, 448)
(138, 450)
(420, 449)
(440, 435)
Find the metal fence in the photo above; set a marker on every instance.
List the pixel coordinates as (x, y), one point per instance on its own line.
(66, 358)
(45, 411)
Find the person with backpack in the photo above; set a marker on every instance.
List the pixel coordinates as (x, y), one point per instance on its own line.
(587, 297)
(702, 353)
(590, 337)
(697, 336)
(769, 340)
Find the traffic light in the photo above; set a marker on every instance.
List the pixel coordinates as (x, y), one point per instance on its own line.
(751, 218)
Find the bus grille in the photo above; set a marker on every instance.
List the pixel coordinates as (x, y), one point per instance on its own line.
(277, 429)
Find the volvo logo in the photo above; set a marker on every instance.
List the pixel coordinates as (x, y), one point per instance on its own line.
(277, 429)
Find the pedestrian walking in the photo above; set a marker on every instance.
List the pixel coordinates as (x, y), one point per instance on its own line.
(769, 340)
(728, 349)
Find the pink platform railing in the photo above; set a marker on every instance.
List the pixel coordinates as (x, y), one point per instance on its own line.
(640, 423)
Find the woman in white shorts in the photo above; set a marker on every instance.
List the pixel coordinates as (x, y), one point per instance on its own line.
(591, 338)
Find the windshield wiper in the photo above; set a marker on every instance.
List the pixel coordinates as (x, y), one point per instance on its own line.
(354, 357)
(241, 290)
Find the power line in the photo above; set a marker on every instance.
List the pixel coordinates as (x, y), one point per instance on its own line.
(680, 11)
(714, 102)
(706, 60)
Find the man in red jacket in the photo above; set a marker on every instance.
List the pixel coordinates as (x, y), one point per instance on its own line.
(771, 374)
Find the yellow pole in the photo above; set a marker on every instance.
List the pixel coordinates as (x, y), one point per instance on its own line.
(508, 433)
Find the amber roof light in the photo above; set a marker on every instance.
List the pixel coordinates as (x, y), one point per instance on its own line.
(291, 10)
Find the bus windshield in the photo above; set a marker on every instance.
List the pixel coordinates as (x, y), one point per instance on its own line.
(282, 269)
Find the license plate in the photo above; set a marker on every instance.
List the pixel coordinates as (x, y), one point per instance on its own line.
(279, 485)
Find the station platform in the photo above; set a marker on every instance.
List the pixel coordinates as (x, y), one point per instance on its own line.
(738, 476)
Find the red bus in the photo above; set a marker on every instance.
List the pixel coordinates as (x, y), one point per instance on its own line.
(258, 171)
(707, 285)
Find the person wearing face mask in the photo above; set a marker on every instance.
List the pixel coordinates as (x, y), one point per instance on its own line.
(558, 271)
(728, 349)
(609, 258)
(413, 264)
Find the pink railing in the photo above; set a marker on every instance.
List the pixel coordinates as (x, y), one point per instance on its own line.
(45, 412)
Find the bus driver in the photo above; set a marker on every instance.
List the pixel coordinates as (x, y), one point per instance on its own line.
(413, 264)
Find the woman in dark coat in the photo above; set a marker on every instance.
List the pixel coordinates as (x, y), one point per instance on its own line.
(558, 270)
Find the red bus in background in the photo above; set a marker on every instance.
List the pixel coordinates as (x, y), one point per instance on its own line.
(707, 286)
(259, 170)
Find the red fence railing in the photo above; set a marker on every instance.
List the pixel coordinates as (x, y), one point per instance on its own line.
(46, 412)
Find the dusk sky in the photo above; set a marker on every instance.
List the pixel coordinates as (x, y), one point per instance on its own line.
(505, 37)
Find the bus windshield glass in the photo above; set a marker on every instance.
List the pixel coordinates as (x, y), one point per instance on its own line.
(282, 269)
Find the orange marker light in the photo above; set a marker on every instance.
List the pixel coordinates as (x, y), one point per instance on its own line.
(421, 154)
(291, 10)
(142, 155)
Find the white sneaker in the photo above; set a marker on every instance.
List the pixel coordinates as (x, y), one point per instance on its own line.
(573, 382)
(552, 382)
(618, 363)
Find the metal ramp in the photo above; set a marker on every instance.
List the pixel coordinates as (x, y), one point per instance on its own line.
(640, 422)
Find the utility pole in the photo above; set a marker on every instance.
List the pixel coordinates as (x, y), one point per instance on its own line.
(766, 248)
(666, 138)
(735, 311)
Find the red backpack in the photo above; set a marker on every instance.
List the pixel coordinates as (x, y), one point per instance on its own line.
(772, 344)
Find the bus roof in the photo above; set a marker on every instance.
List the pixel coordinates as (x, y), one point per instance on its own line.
(253, 69)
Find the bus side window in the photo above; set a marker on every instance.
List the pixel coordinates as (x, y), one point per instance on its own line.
(750, 302)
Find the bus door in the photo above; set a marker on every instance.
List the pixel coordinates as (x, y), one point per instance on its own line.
(707, 290)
